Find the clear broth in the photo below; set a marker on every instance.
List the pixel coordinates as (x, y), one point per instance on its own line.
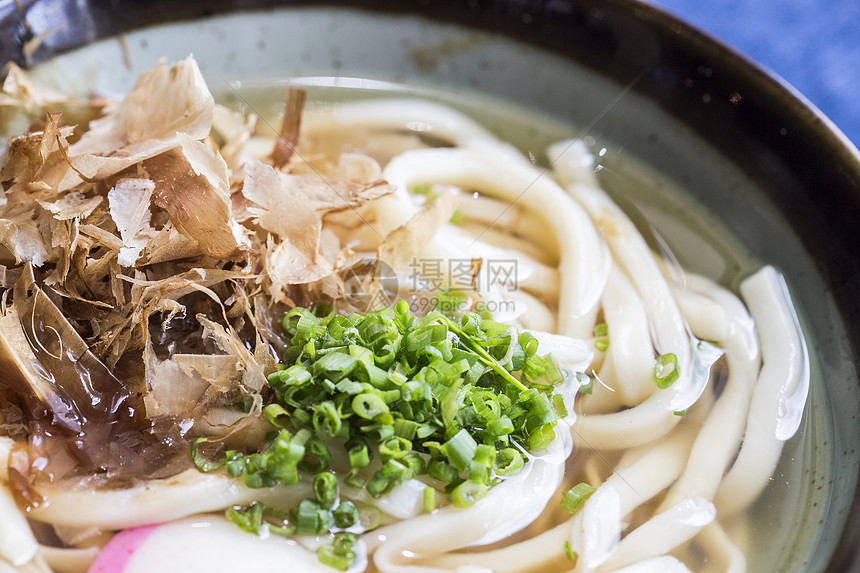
(782, 535)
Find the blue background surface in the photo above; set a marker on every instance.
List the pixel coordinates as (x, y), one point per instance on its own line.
(812, 44)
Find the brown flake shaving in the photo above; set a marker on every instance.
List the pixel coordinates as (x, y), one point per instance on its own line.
(288, 138)
(292, 206)
(165, 102)
(161, 261)
(404, 243)
(191, 185)
(35, 161)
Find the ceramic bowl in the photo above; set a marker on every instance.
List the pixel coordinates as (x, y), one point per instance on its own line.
(649, 90)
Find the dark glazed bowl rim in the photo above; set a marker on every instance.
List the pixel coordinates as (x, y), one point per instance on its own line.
(811, 170)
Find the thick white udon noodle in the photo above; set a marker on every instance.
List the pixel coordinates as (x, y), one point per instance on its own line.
(577, 252)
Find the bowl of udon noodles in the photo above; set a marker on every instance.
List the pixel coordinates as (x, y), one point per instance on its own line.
(408, 287)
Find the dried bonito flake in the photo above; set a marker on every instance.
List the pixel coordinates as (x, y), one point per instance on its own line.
(285, 145)
(17, 89)
(72, 205)
(160, 249)
(292, 206)
(129, 207)
(232, 130)
(165, 102)
(406, 242)
(51, 362)
(171, 390)
(36, 160)
(229, 342)
(192, 185)
(287, 265)
(23, 238)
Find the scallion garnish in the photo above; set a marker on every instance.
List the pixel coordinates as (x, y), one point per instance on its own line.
(429, 499)
(666, 370)
(200, 461)
(467, 493)
(571, 555)
(436, 395)
(573, 500)
(325, 488)
(345, 514)
(252, 518)
(369, 517)
(311, 518)
(339, 553)
(586, 383)
(601, 337)
(509, 461)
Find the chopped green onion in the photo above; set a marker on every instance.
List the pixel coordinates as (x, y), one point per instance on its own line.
(586, 383)
(247, 518)
(199, 461)
(344, 541)
(415, 463)
(317, 457)
(334, 366)
(460, 449)
(391, 474)
(559, 406)
(359, 455)
(485, 357)
(601, 333)
(276, 415)
(542, 436)
(666, 370)
(326, 420)
(296, 375)
(253, 517)
(401, 308)
(442, 470)
(339, 554)
(325, 488)
(529, 343)
(573, 500)
(345, 514)
(450, 301)
(443, 395)
(508, 462)
(369, 406)
(352, 479)
(394, 448)
(311, 518)
(369, 517)
(278, 521)
(425, 336)
(406, 429)
(467, 493)
(429, 498)
(571, 555)
(378, 432)
(499, 427)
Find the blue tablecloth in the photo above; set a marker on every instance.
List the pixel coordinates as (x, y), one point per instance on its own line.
(812, 44)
